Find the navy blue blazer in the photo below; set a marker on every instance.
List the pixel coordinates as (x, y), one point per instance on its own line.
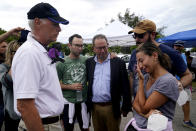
(120, 88)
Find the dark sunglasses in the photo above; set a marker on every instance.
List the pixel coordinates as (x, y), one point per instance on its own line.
(135, 35)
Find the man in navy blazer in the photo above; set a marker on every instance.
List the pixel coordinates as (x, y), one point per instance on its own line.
(108, 85)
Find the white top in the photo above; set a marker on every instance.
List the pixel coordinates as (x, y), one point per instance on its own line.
(35, 77)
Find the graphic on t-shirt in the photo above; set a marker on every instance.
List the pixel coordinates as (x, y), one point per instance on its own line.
(77, 72)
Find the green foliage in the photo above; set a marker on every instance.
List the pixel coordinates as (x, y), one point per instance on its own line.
(2, 31)
(132, 48)
(116, 49)
(129, 19)
(65, 49)
(88, 49)
(10, 38)
(125, 50)
(193, 49)
(160, 32)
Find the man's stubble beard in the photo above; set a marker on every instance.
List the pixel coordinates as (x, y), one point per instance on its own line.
(149, 40)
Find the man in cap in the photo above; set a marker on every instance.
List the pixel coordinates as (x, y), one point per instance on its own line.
(37, 93)
(145, 31)
(179, 46)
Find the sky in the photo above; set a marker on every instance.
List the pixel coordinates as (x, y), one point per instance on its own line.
(87, 16)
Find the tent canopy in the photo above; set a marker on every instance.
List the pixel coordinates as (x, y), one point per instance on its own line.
(189, 37)
(116, 33)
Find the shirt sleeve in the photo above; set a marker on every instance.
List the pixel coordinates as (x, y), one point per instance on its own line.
(27, 74)
(132, 61)
(178, 64)
(168, 87)
(59, 68)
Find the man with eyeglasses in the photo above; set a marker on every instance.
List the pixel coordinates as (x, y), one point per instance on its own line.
(145, 31)
(107, 84)
(72, 76)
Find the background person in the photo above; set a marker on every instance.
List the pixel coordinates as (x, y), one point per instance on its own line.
(107, 83)
(37, 92)
(72, 75)
(11, 119)
(3, 46)
(179, 46)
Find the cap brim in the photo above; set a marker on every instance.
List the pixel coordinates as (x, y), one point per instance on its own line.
(179, 45)
(138, 31)
(59, 20)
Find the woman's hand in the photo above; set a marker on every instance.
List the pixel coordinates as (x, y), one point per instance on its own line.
(140, 74)
(152, 111)
(180, 87)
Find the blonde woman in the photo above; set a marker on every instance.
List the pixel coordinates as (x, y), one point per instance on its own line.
(11, 120)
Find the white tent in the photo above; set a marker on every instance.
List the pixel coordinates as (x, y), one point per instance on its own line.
(117, 34)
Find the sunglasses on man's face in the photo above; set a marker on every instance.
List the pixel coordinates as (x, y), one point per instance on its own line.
(141, 36)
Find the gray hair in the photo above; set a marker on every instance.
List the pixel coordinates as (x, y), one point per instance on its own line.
(31, 23)
(99, 36)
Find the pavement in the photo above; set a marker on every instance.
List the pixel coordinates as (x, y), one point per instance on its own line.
(177, 122)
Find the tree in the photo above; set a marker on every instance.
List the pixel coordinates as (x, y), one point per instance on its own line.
(116, 49)
(129, 19)
(193, 49)
(10, 38)
(160, 32)
(88, 49)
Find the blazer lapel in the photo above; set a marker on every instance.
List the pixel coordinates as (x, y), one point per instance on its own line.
(93, 66)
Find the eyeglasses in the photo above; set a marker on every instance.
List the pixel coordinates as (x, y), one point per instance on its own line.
(141, 36)
(100, 48)
(78, 45)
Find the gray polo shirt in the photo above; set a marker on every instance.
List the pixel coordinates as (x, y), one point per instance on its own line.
(166, 85)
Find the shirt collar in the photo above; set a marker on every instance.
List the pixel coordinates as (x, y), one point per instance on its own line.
(36, 43)
(106, 60)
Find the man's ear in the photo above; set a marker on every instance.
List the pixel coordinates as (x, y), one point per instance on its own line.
(69, 45)
(93, 47)
(37, 21)
(152, 35)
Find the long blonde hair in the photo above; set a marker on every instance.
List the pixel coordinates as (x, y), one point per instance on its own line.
(11, 49)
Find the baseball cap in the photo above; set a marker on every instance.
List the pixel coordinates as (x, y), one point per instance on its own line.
(144, 26)
(45, 10)
(179, 43)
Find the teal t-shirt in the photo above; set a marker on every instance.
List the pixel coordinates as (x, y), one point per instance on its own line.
(73, 71)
